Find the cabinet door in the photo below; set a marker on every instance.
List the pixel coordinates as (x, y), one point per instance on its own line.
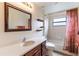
(44, 50)
(38, 53)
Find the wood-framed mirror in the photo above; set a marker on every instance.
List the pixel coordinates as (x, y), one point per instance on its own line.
(16, 19)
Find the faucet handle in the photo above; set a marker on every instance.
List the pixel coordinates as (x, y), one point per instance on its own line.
(24, 39)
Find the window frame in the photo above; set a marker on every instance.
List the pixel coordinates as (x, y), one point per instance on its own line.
(59, 21)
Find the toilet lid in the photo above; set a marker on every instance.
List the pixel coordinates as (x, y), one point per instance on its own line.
(50, 45)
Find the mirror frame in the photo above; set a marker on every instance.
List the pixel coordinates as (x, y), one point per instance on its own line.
(6, 17)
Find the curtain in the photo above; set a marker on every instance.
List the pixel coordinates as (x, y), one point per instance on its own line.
(71, 31)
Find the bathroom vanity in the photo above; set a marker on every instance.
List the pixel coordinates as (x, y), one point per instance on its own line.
(39, 50)
(17, 49)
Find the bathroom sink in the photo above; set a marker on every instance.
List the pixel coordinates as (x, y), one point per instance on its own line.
(28, 43)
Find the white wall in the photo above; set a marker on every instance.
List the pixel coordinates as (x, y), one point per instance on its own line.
(56, 34)
(7, 38)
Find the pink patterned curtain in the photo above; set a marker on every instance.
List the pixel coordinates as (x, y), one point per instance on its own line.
(71, 31)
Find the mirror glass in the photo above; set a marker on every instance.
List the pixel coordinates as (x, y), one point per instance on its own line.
(18, 19)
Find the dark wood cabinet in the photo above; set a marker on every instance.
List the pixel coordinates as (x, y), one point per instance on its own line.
(44, 50)
(38, 53)
(39, 50)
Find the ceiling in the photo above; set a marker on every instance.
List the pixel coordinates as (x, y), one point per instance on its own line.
(44, 4)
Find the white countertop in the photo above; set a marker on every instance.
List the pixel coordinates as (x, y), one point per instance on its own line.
(18, 50)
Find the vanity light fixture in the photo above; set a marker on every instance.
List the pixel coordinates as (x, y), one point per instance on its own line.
(27, 4)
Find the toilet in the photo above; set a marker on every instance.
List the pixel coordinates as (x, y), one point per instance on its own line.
(50, 47)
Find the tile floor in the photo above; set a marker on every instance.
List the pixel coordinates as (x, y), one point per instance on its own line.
(57, 54)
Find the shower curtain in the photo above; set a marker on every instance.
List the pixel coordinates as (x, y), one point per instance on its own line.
(71, 31)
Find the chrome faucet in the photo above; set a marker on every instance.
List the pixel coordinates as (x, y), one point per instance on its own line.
(24, 39)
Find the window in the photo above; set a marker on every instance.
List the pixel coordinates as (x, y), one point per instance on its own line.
(59, 21)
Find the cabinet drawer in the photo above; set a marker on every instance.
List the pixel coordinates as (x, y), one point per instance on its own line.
(33, 51)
